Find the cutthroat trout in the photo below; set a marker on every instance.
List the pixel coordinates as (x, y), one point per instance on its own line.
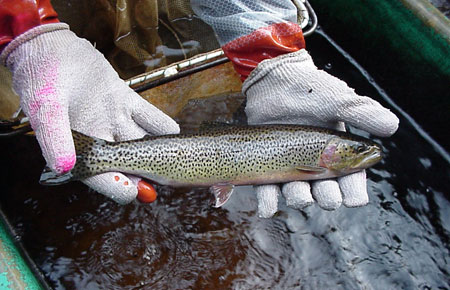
(226, 156)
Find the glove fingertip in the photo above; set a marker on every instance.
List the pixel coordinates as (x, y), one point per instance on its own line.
(113, 185)
(327, 194)
(384, 123)
(57, 148)
(372, 117)
(354, 189)
(154, 120)
(64, 163)
(297, 194)
(267, 196)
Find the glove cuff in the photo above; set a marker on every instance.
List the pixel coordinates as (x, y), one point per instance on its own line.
(266, 66)
(27, 36)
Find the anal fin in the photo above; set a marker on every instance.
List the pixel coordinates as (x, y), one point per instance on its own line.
(222, 192)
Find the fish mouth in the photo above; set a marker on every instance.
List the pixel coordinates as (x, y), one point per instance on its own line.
(373, 157)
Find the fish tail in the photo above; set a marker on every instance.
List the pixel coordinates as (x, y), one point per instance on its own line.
(48, 177)
(83, 145)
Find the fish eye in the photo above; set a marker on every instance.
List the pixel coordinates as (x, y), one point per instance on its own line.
(360, 148)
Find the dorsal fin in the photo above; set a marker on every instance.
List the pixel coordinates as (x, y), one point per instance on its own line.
(213, 125)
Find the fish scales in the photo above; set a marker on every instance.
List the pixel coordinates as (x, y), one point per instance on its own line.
(230, 155)
(241, 155)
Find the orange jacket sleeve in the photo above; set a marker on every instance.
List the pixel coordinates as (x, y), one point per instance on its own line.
(18, 16)
(251, 31)
(247, 51)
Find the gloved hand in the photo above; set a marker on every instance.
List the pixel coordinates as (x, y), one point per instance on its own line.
(290, 89)
(65, 83)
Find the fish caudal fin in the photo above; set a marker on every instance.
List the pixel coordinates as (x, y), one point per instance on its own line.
(83, 145)
(48, 177)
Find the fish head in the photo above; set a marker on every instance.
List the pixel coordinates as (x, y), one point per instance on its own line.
(350, 155)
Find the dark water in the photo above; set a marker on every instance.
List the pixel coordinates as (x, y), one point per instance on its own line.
(442, 5)
(82, 240)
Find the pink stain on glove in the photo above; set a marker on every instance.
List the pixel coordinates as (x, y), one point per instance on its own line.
(45, 106)
(46, 97)
(65, 163)
(49, 118)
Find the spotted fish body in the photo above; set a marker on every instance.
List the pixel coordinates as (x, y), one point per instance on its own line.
(231, 155)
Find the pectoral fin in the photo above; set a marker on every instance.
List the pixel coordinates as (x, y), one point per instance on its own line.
(312, 169)
(222, 192)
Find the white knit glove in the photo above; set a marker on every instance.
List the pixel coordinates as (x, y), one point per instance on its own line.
(290, 89)
(65, 83)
